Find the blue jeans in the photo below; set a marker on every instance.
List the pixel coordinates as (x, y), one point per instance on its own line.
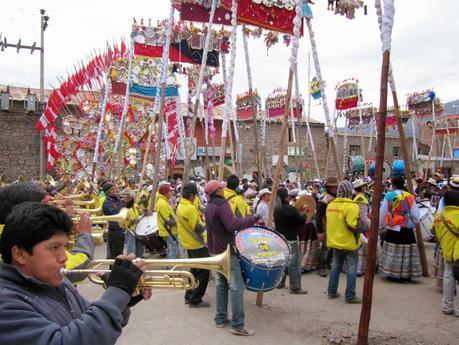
(236, 287)
(172, 247)
(294, 266)
(351, 257)
(133, 245)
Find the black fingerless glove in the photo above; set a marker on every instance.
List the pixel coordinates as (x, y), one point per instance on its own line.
(134, 300)
(124, 275)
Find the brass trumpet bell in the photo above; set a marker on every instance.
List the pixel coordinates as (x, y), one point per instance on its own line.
(122, 218)
(50, 180)
(165, 279)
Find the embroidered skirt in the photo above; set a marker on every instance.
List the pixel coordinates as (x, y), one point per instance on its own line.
(439, 265)
(399, 255)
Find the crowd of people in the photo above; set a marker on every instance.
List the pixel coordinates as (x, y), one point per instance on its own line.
(198, 219)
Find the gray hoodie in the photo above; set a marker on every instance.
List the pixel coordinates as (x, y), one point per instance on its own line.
(32, 312)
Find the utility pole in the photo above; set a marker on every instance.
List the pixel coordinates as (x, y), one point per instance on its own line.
(43, 25)
(4, 44)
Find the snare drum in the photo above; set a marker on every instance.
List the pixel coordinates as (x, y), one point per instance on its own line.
(147, 231)
(264, 255)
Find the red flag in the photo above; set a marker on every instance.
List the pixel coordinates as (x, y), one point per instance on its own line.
(50, 115)
(51, 162)
(63, 90)
(42, 123)
(123, 48)
(52, 151)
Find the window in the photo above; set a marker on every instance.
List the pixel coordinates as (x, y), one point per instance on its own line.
(396, 151)
(354, 150)
(290, 135)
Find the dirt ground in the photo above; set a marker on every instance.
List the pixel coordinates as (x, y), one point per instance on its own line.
(405, 314)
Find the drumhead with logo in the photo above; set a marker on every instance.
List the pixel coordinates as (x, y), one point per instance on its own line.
(263, 246)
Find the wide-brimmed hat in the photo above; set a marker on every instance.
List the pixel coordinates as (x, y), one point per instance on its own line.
(263, 192)
(432, 181)
(359, 183)
(331, 182)
(439, 175)
(454, 182)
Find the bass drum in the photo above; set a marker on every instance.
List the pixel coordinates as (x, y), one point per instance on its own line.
(387, 169)
(264, 255)
(426, 220)
(147, 231)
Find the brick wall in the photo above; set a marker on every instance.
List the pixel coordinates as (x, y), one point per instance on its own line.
(19, 143)
(271, 148)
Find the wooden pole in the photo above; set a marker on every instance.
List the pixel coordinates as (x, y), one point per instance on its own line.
(159, 139)
(409, 181)
(151, 126)
(365, 313)
(327, 164)
(299, 156)
(282, 149)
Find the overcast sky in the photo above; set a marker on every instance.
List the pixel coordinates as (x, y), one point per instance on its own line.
(425, 50)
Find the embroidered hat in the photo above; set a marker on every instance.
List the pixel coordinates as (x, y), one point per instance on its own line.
(345, 190)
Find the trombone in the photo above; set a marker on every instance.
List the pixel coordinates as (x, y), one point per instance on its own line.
(164, 279)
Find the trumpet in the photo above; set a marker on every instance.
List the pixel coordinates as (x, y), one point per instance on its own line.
(164, 279)
(122, 218)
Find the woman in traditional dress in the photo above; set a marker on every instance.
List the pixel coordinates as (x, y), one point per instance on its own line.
(399, 214)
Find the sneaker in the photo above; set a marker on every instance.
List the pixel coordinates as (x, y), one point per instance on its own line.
(242, 331)
(298, 292)
(280, 286)
(355, 300)
(187, 301)
(448, 312)
(201, 304)
(333, 295)
(223, 324)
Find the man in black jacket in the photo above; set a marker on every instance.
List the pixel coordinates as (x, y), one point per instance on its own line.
(288, 220)
(323, 255)
(113, 205)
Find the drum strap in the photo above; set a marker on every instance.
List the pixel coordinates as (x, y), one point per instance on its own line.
(166, 226)
(187, 227)
(443, 219)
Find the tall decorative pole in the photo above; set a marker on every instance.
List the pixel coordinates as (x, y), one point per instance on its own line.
(308, 118)
(161, 99)
(100, 128)
(283, 133)
(331, 134)
(117, 151)
(405, 154)
(362, 139)
(228, 80)
(365, 313)
(254, 103)
(187, 168)
(298, 114)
